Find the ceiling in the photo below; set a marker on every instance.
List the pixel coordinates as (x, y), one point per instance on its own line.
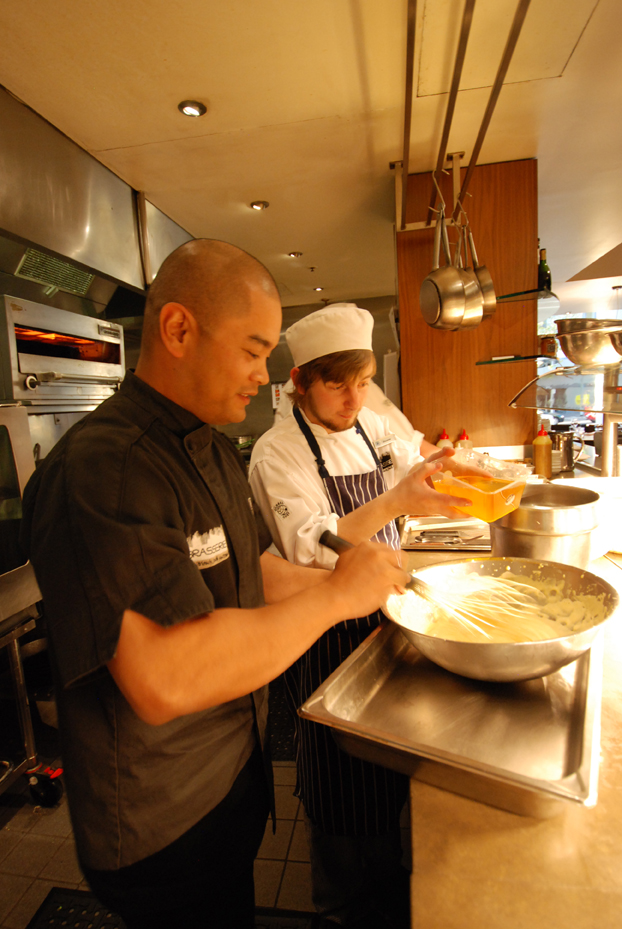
(305, 108)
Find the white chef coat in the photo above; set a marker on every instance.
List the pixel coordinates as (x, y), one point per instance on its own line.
(289, 490)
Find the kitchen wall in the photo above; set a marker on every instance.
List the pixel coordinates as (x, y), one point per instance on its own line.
(442, 387)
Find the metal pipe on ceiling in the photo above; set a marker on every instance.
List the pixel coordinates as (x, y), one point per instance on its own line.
(517, 25)
(410, 67)
(467, 19)
(143, 237)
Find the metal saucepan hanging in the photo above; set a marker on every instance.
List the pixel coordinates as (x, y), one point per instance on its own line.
(473, 297)
(441, 296)
(442, 292)
(483, 276)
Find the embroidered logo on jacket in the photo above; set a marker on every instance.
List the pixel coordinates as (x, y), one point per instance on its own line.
(281, 510)
(208, 548)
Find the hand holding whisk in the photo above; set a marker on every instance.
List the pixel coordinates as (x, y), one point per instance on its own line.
(483, 606)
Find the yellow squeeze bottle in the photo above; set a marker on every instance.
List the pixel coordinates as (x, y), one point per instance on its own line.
(444, 441)
(542, 454)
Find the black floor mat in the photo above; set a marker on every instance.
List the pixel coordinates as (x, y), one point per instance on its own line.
(74, 909)
(282, 919)
(78, 909)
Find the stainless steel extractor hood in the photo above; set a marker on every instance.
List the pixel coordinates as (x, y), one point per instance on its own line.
(69, 230)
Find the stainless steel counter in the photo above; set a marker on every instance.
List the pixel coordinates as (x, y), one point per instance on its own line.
(478, 867)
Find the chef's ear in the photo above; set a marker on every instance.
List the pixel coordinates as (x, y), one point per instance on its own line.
(177, 326)
(294, 376)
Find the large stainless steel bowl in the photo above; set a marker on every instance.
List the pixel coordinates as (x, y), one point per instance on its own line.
(583, 343)
(516, 661)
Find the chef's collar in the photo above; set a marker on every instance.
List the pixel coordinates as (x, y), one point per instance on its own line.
(179, 420)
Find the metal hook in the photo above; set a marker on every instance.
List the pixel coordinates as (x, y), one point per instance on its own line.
(458, 206)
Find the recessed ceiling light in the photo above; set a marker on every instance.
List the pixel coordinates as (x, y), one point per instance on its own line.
(318, 288)
(295, 254)
(192, 108)
(260, 205)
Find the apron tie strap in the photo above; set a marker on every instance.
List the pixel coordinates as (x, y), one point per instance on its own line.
(313, 444)
(370, 446)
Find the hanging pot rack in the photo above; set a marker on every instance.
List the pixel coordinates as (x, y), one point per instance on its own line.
(401, 168)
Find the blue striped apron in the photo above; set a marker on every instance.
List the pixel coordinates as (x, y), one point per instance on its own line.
(342, 794)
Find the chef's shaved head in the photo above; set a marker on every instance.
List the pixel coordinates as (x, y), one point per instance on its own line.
(210, 279)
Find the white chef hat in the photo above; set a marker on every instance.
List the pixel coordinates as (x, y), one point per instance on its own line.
(339, 327)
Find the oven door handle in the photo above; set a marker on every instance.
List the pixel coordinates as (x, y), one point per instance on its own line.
(76, 378)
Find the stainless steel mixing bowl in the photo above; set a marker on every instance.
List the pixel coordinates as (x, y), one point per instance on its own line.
(584, 343)
(516, 661)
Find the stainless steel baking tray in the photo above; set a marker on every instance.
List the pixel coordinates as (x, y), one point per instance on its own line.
(525, 747)
(439, 534)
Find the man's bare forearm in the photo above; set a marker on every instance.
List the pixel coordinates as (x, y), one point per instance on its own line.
(282, 579)
(166, 672)
(368, 519)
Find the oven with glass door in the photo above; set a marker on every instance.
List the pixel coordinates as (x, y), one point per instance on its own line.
(52, 359)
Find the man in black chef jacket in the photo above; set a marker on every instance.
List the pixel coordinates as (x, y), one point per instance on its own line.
(152, 562)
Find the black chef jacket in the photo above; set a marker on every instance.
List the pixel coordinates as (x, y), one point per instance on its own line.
(141, 506)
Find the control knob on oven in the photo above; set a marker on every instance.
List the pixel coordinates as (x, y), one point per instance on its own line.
(31, 382)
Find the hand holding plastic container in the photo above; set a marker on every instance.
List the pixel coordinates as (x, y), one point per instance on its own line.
(493, 495)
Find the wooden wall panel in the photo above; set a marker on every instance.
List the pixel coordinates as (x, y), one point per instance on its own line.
(441, 385)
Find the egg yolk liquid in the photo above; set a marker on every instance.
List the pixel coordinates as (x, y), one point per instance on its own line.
(490, 498)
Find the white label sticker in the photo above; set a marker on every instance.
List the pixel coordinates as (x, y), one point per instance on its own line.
(385, 440)
(208, 548)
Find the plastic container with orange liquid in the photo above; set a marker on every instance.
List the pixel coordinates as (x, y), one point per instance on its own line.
(493, 494)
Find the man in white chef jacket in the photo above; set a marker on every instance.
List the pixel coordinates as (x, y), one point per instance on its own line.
(334, 464)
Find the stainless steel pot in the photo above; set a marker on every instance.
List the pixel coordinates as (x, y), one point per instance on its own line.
(553, 522)
(473, 297)
(516, 661)
(441, 296)
(484, 278)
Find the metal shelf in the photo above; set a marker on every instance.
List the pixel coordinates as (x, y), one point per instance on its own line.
(583, 388)
(527, 295)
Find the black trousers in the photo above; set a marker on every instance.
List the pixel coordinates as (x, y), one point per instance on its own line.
(203, 880)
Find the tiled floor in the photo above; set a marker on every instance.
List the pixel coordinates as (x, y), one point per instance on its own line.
(37, 853)
(282, 872)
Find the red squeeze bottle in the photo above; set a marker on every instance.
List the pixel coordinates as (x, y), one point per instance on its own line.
(464, 441)
(444, 441)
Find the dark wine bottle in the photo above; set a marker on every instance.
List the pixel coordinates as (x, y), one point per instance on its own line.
(544, 272)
